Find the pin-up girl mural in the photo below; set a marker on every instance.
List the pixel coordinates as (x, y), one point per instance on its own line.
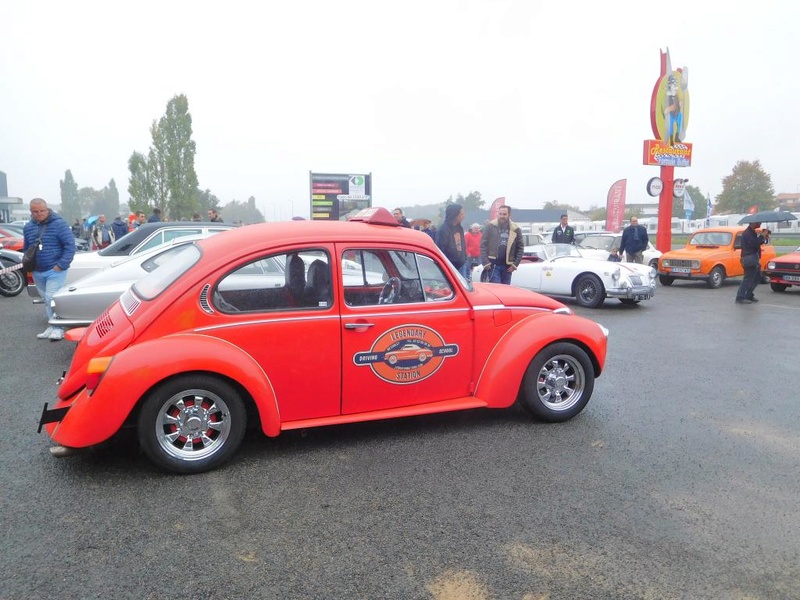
(669, 108)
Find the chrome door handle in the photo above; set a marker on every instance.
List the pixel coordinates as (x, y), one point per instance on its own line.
(358, 325)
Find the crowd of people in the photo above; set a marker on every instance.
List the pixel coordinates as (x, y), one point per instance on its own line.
(99, 233)
(498, 246)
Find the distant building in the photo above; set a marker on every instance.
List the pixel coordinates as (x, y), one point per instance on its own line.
(789, 202)
(8, 205)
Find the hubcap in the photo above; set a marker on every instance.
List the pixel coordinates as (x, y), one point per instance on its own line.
(561, 382)
(193, 424)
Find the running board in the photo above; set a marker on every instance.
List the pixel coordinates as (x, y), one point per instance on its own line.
(389, 413)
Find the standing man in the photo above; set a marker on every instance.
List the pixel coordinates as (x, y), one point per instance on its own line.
(473, 239)
(450, 238)
(563, 233)
(119, 227)
(56, 250)
(156, 216)
(751, 262)
(502, 246)
(102, 233)
(213, 216)
(634, 242)
(398, 215)
(141, 219)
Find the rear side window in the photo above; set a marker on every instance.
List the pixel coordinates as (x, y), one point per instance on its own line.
(289, 281)
(169, 271)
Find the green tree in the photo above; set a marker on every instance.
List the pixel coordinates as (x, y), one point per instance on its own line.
(597, 213)
(166, 178)
(206, 200)
(562, 206)
(70, 200)
(242, 212)
(139, 185)
(747, 185)
(178, 148)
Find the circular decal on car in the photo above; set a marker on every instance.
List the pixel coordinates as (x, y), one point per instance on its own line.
(406, 354)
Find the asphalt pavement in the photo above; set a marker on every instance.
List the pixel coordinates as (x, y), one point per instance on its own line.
(679, 480)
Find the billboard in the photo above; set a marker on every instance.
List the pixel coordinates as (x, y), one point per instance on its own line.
(335, 196)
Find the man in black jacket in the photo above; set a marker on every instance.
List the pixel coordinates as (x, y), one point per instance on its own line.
(634, 242)
(751, 262)
(563, 233)
(502, 247)
(450, 238)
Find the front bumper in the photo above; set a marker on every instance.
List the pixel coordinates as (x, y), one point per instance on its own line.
(783, 278)
(697, 275)
(639, 292)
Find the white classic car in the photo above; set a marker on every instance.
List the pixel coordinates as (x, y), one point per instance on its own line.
(562, 270)
(600, 244)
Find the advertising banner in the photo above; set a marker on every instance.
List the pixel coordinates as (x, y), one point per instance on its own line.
(495, 205)
(615, 205)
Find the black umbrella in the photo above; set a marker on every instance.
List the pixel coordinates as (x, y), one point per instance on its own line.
(768, 216)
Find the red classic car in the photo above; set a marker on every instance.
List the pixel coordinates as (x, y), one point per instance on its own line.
(784, 271)
(204, 343)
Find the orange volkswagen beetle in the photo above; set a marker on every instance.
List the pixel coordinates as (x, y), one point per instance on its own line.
(302, 324)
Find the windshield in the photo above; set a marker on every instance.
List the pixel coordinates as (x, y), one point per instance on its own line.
(551, 251)
(711, 238)
(599, 242)
(181, 259)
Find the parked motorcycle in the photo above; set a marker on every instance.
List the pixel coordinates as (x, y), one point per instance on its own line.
(12, 275)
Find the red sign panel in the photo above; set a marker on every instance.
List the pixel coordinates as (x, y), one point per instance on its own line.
(659, 154)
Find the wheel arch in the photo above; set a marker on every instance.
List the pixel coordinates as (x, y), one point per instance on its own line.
(137, 370)
(501, 378)
(577, 277)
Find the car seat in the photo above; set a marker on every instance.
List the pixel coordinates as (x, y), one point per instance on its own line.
(295, 278)
(318, 287)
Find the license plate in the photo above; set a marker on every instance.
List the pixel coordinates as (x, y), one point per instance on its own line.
(791, 277)
(642, 297)
(681, 270)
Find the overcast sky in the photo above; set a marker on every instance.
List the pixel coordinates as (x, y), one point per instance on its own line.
(535, 101)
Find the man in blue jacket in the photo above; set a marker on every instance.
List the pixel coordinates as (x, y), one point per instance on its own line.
(56, 251)
(634, 242)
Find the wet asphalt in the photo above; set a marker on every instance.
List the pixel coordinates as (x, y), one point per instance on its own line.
(681, 479)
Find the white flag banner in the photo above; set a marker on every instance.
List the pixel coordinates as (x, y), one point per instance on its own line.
(688, 203)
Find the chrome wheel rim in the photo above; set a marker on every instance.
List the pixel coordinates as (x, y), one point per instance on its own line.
(193, 424)
(560, 382)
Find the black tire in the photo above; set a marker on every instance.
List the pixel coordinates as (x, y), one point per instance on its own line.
(589, 291)
(778, 287)
(12, 283)
(666, 280)
(716, 277)
(629, 301)
(191, 424)
(558, 383)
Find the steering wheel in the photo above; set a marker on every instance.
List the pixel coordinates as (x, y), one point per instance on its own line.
(390, 291)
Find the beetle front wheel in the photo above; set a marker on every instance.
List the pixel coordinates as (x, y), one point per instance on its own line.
(558, 383)
(191, 424)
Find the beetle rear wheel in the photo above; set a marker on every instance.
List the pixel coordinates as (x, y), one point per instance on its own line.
(558, 383)
(191, 424)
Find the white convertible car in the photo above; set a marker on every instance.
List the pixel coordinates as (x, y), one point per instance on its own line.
(600, 244)
(561, 270)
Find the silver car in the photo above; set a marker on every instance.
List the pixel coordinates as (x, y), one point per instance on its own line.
(81, 302)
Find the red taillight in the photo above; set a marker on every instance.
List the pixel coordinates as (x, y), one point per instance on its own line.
(95, 371)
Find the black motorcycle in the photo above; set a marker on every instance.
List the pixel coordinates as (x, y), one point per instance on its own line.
(12, 276)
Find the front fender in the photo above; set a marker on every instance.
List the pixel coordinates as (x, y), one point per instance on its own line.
(134, 371)
(499, 381)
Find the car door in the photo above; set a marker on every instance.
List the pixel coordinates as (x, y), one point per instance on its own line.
(407, 330)
(280, 309)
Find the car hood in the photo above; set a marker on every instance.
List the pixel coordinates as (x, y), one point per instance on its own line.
(695, 252)
(508, 295)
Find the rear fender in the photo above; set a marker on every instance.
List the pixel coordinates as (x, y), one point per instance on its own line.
(137, 369)
(499, 382)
